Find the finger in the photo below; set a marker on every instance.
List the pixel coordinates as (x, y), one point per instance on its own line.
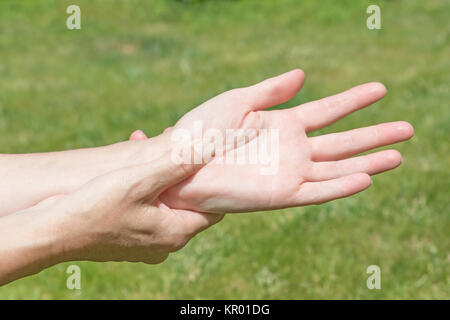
(152, 179)
(342, 145)
(273, 91)
(371, 164)
(187, 221)
(323, 112)
(320, 192)
(146, 181)
(196, 222)
(138, 135)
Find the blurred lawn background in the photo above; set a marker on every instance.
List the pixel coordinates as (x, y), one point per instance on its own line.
(143, 64)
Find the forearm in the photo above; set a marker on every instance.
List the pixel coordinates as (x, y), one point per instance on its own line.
(27, 179)
(28, 244)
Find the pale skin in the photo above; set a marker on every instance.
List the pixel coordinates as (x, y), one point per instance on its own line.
(93, 204)
(114, 217)
(311, 170)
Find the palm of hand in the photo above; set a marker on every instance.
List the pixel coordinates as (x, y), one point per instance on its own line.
(310, 170)
(239, 187)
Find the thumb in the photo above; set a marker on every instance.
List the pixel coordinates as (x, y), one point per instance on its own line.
(149, 180)
(274, 91)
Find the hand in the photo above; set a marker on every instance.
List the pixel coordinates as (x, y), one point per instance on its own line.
(114, 217)
(120, 217)
(311, 170)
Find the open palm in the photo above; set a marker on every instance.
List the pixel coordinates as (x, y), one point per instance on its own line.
(310, 170)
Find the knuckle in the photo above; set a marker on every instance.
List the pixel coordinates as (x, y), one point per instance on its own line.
(276, 90)
(348, 142)
(271, 88)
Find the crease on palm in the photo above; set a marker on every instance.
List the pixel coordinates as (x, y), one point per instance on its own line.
(311, 170)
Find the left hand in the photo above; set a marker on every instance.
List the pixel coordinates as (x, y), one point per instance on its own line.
(310, 170)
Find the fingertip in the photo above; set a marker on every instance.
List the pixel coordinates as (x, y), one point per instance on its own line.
(299, 73)
(273, 91)
(364, 180)
(358, 182)
(379, 88)
(133, 135)
(406, 129)
(298, 77)
(286, 85)
(394, 157)
(138, 135)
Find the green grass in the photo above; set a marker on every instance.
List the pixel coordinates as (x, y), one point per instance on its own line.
(142, 64)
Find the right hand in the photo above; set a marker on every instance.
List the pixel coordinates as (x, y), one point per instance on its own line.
(118, 216)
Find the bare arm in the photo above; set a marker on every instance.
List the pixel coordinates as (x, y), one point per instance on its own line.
(27, 179)
(114, 217)
(309, 171)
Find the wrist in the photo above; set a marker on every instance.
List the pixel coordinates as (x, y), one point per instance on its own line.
(28, 244)
(55, 234)
(147, 150)
(65, 231)
(69, 231)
